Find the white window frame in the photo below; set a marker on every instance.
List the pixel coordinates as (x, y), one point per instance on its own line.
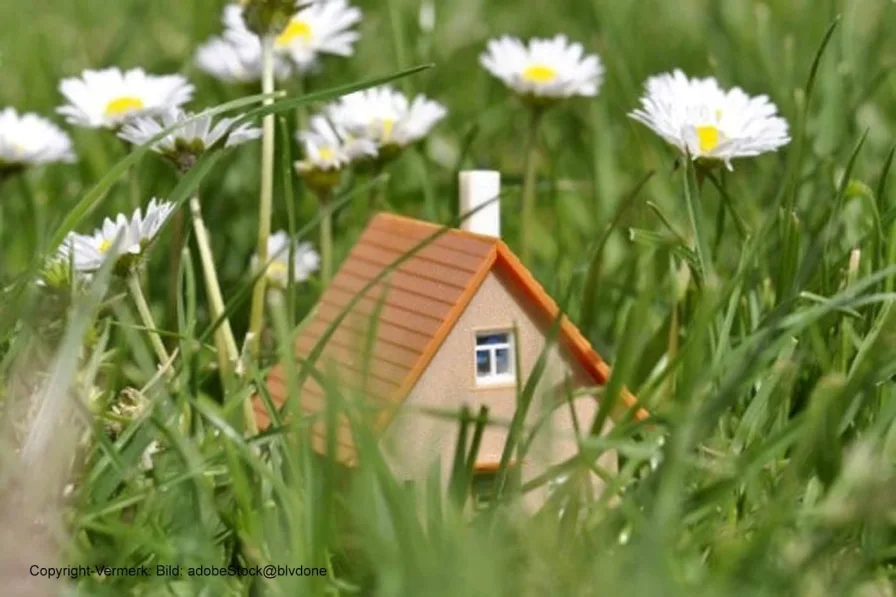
(493, 377)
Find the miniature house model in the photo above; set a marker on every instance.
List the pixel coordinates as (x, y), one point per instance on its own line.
(448, 317)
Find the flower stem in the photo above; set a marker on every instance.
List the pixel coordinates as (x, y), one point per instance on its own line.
(326, 238)
(147, 319)
(256, 318)
(227, 347)
(530, 181)
(228, 352)
(693, 188)
(174, 259)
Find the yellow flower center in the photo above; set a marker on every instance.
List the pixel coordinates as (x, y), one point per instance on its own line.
(326, 153)
(388, 128)
(539, 73)
(708, 137)
(277, 268)
(105, 245)
(123, 105)
(297, 28)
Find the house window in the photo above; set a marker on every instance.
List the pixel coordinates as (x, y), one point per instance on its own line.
(494, 358)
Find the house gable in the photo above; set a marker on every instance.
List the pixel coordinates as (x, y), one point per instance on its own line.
(417, 279)
(424, 430)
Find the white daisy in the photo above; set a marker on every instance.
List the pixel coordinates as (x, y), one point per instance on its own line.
(327, 148)
(29, 140)
(306, 260)
(107, 98)
(706, 122)
(185, 144)
(130, 237)
(385, 116)
(235, 57)
(545, 69)
(322, 27)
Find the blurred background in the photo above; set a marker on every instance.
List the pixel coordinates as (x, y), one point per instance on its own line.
(592, 154)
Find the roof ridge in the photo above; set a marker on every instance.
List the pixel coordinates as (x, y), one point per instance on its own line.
(388, 215)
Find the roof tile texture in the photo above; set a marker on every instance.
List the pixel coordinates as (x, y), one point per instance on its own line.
(414, 303)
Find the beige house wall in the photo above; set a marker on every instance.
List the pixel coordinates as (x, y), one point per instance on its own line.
(416, 439)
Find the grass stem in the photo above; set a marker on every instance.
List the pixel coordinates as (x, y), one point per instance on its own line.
(256, 317)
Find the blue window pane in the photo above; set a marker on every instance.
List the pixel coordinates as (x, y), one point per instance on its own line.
(502, 361)
(491, 339)
(483, 362)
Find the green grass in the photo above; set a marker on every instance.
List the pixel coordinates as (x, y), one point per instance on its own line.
(772, 381)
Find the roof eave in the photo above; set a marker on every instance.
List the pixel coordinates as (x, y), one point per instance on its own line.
(573, 339)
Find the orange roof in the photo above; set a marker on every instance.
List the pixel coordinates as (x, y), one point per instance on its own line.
(416, 305)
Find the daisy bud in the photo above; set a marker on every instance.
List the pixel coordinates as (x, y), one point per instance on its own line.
(319, 180)
(268, 17)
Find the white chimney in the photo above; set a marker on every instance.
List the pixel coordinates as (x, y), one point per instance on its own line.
(479, 193)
